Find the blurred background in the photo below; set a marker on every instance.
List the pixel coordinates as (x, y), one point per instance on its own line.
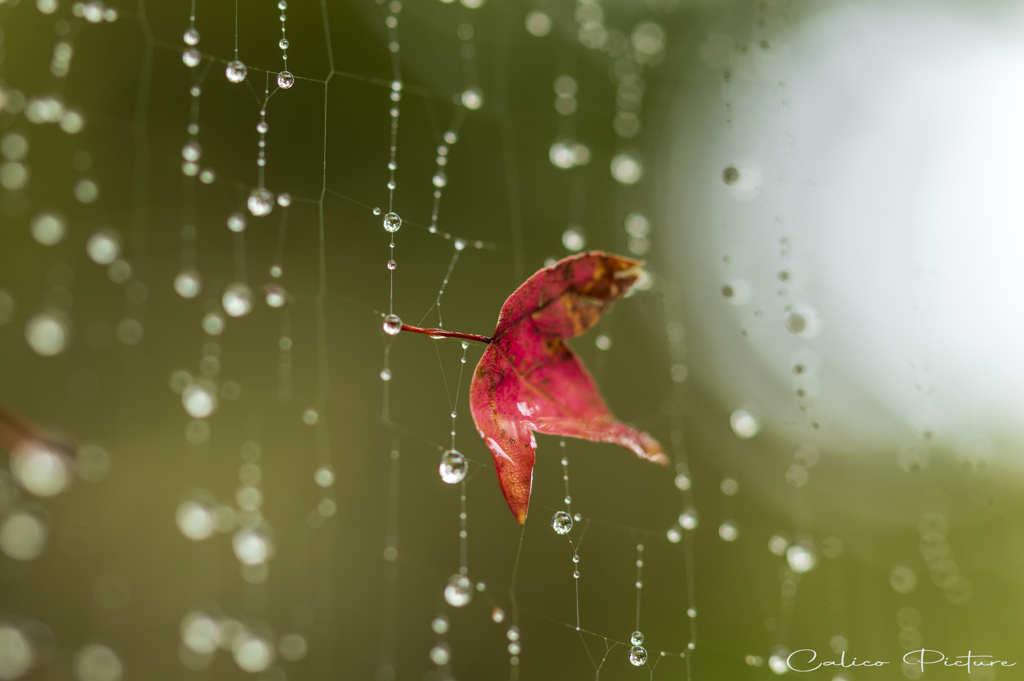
(235, 470)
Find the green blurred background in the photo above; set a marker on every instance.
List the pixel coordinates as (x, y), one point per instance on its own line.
(117, 571)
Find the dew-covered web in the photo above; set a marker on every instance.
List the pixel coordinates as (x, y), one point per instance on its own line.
(202, 515)
(591, 587)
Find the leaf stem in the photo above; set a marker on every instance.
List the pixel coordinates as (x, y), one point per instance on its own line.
(441, 333)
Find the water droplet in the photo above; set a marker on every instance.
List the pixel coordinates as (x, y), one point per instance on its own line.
(97, 663)
(191, 37)
(538, 23)
(42, 470)
(561, 522)
(192, 151)
(472, 98)
(252, 654)
(385, 374)
(17, 655)
(310, 417)
(777, 544)
(637, 656)
(199, 400)
(575, 558)
(392, 222)
(439, 624)
(573, 239)
(283, 43)
(392, 264)
(324, 476)
(285, 80)
(730, 487)
(902, 579)
(576, 574)
(683, 481)
(577, 517)
(497, 614)
(237, 221)
(561, 155)
(440, 179)
(689, 519)
(275, 295)
(213, 323)
(777, 661)
(439, 654)
(744, 424)
(636, 638)
(376, 211)
(46, 334)
(674, 535)
(48, 229)
(262, 127)
(459, 591)
(284, 199)
(802, 557)
(103, 246)
(728, 531)
(453, 467)
(252, 546)
(188, 284)
(236, 71)
(627, 169)
(260, 202)
(22, 535)
(237, 299)
(731, 175)
(275, 271)
(392, 324)
(191, 57)
(603, 342)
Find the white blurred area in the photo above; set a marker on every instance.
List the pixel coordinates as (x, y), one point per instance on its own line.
(880, 150)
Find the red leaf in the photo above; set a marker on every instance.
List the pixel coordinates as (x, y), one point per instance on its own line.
(529, 380)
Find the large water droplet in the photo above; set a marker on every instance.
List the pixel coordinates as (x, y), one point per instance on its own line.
(688, 519)
(192, 151)
(636, 638)
(260, 202)
(561, 522)
(48, 229)
(18, 655)
(459, 591)
(199, 400)
(453, 467)
(392, 324)
(103, 246)
(283, 43)
(237, 299)
(236, 71)
(41, 469)
(252, 546)
(195, 520)
(744, 424)
(275, 295)
(573, 239)
(801, 556)
(472, 98)
(392, 222)
(627, 169)
(637, 656)
(728, 531)
(46, 334)
(191, 37)
(252, 653)
(188, 284)
(285, 80)
(191, 57)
